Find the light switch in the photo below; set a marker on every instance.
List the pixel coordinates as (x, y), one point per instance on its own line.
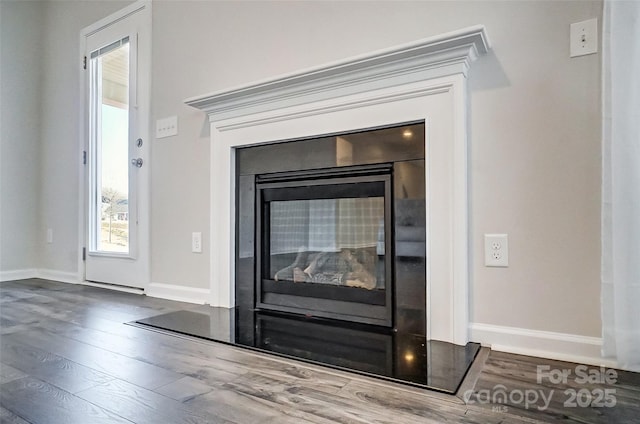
(196, 242)
(584, 38)
(166, 127)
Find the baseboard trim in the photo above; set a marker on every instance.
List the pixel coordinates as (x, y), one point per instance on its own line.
(18, 274)
(60, 276)
(542, 344)
(159, 290)
(45, 274)
(178, 293)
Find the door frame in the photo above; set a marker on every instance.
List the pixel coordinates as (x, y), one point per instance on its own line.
(144, 95)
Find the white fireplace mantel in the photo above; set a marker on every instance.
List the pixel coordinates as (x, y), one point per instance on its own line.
(420, 81)
(428, 58)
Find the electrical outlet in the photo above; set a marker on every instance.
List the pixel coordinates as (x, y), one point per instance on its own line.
(49, 235)
(496, 250)
(583, 38)
(196, 242)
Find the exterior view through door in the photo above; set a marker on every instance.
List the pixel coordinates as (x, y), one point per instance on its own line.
(115, 141)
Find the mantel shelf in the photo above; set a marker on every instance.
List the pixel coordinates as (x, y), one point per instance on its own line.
(429, 58)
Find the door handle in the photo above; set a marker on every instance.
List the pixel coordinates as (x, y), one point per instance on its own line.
(137, 162)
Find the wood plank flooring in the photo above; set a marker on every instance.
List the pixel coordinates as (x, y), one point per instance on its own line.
(67, 356)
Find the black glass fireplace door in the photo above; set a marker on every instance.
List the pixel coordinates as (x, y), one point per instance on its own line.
(323, 244)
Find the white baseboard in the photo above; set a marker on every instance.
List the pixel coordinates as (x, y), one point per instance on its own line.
(60, 276)
(18, 274)
(542, 344)
(160, 290)
(45, 274)
(179, 293)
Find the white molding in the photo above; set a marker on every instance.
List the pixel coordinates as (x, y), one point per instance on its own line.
(334, 105)
(178, 293)
(429, 58)
(45, 274)
(64, 277)
(159, 290)
(459, 210)
(116, 17)
(60, 276)
(18, 274)
(542, 344)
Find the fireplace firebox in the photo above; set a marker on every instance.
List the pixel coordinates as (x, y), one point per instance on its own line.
(323, 242)
(334, 228)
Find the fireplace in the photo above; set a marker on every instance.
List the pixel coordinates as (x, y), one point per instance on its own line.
(423, 82)
(322, 244)
(334, 227)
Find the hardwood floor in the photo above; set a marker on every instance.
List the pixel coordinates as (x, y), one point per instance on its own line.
(66, 356)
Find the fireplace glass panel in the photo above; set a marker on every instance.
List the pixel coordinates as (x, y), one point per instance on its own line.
(323, 241)
(328, 241)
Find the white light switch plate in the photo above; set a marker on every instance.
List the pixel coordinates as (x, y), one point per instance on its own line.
(496, 250)
(166, 127)
(196, 242)
(583, 38)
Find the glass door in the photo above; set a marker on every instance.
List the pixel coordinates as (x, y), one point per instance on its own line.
(116, 130)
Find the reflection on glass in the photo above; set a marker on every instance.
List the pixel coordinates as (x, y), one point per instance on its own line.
(111, 85)
(328, 241)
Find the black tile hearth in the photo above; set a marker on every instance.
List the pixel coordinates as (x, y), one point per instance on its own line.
(403, 358)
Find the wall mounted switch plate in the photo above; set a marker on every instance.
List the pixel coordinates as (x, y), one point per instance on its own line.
(167, 127)
(196, 242)
(583, 38)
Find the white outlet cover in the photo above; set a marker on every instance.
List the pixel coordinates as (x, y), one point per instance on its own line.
(583, 38)
(496, 250)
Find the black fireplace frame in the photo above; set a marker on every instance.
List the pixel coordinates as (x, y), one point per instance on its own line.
(406, 159)
(322, 300)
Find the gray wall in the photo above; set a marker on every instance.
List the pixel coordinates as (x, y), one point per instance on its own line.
(20, 85)
(60, 126)
(535, 133)
(40, 43)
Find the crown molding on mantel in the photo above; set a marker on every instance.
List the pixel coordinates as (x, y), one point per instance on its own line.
(433, 57)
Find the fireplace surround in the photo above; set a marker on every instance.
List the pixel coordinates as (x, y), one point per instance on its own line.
(334, 227)
(423, 81)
